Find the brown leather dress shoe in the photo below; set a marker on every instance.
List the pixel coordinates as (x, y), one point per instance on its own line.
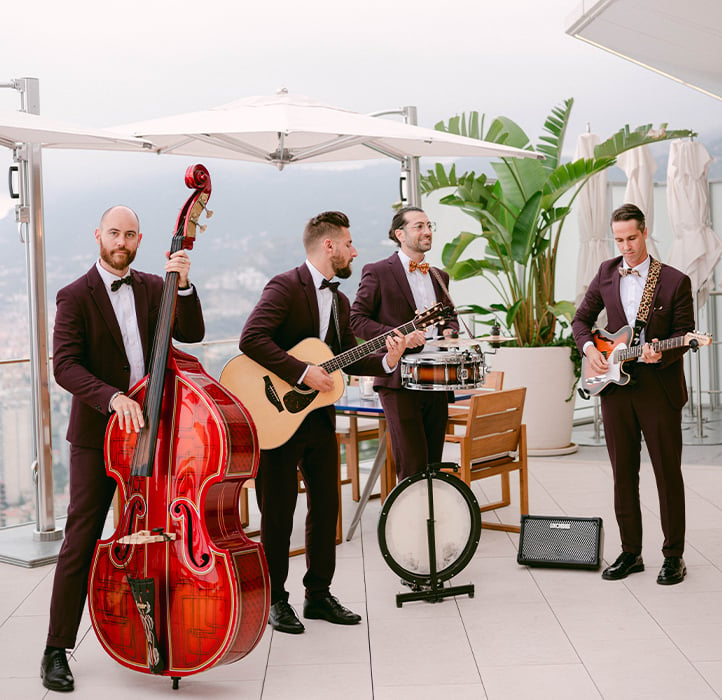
(284, 619)
(55, 672)
(673, 571)
(625, 564)
(328, 608)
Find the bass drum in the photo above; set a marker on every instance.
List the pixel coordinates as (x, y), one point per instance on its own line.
(403, 527)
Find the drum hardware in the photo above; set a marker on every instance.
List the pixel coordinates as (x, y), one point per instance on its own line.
(456, 343)
(452, 533)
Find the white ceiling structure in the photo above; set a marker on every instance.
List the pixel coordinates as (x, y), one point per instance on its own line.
(680, 39)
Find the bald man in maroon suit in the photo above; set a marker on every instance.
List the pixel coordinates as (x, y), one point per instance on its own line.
(390, 294)
(104, 329)
(296, 305)
(650, 405)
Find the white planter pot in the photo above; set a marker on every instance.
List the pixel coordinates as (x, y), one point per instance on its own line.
(548, 375)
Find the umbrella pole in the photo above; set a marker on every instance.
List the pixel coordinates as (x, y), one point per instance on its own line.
(29, 213)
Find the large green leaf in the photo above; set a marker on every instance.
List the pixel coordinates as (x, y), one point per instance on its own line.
(523, 237)
(626, 139)
(556, 128)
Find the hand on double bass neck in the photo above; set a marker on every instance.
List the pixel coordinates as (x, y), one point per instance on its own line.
(179, 262)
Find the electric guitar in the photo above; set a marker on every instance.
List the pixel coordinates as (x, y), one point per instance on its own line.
(616, 350)
(277, 408)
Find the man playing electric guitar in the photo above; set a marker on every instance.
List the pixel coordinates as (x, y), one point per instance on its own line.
(652, 404)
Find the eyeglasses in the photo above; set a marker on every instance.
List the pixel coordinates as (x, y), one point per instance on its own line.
(421, 226)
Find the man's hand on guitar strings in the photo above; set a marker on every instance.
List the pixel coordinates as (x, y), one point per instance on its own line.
(597, 361)
(395, 345)
(649, 355)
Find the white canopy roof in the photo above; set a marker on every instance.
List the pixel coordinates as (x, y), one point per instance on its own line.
(681, 40)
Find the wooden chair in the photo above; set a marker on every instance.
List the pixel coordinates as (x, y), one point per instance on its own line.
(494, 444)
(493, 381)
(350, 431)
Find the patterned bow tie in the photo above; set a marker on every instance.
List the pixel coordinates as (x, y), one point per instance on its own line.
(117, 284)
(624, 271)
(333, 286)
(423, 267)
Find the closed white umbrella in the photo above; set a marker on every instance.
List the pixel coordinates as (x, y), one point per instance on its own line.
(639, 166)
(593, 220)
(696, 248)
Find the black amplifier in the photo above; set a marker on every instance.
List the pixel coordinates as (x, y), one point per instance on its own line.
(560, 541)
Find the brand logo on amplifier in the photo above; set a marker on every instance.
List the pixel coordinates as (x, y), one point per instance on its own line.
(559, 526)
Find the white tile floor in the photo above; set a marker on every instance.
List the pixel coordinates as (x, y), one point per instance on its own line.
(541, 633)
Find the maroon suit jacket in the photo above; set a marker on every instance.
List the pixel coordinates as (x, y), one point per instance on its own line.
(672, 314)
(286, 314)
(384, 301)
(89, 358)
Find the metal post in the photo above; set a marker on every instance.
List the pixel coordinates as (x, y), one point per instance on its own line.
(410, 171)
(29, 215)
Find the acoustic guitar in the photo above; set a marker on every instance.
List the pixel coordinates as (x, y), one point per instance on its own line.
(616, 349)
(277, 408)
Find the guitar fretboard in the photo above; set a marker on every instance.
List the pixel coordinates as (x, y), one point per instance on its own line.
(623, 354)
(367, 348)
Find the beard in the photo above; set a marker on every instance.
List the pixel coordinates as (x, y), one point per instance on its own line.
(117, 259)
(341, 270)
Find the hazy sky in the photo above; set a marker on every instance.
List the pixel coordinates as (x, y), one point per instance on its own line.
(101, 64)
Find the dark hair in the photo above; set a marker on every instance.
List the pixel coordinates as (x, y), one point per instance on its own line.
(629, 212)
(326, 224)
(399, 220)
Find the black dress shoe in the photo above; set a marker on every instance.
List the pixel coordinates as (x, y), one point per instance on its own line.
(55, 672)
(673, 571)
(624, 565)
(284, 619)
(328, 608)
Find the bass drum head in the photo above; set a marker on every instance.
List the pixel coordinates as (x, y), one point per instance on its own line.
(402, 529)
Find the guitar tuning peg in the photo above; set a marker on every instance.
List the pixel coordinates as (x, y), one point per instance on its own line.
(202, 228)
(209, 212)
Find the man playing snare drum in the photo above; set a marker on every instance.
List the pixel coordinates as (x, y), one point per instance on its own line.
(390, 294)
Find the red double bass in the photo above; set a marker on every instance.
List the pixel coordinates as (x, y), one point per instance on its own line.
(179, 587)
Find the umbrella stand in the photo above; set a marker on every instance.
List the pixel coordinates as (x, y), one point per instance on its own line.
(704, 433)
(29, 214)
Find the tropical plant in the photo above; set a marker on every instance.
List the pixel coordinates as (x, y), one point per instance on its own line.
(522, 218)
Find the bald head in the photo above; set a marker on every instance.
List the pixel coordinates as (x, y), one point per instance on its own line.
(118, 209)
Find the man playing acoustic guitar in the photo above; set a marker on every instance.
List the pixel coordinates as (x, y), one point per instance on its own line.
(294, 306)
(656, 300)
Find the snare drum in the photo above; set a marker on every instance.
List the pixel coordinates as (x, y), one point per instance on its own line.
(442, 371)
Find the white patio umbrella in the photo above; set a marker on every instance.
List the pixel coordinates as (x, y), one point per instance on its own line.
(591, 206)
(696, 248)
(281, 129)
(639, 166)
(23, 127)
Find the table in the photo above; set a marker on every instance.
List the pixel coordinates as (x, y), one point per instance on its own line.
(352, 402)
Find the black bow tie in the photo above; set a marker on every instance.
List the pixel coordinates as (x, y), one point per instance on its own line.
(333, 286)
(117, 284)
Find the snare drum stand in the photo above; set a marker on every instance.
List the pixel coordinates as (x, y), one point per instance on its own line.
(436, 592)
